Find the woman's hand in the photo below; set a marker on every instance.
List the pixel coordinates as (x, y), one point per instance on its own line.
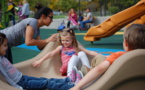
(53, 38)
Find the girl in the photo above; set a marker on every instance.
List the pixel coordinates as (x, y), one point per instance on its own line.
(71, 53)
(27, 31)
(15, 78)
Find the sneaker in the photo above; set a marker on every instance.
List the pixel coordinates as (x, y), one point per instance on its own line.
(72, 76)
(79, 76)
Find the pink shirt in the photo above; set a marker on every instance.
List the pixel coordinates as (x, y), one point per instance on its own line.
(66, 54)
(74, 16)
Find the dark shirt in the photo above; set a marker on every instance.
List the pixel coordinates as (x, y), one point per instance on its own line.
(80, 18)
(13, 9)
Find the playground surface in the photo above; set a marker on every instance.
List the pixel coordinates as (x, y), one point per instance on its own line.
(104, 46)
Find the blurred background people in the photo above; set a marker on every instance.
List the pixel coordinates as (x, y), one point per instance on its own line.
(87, 19)
(19, 12)
(12, 17)
(25, 9)
(72, 15)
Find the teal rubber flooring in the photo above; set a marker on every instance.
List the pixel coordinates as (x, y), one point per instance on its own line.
(104, 46)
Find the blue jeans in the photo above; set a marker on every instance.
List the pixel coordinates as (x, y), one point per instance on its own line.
(84, 22)
(33, 83)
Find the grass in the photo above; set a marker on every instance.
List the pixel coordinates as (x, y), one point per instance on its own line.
(59, 16)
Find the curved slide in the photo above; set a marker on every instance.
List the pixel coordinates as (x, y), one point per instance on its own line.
(111, 78)
(140, 20)
(116, 22)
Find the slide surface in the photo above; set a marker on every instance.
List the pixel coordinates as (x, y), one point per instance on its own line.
(116, 22)
(128, 63)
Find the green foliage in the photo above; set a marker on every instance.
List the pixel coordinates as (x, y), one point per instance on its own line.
(5, 14)
(66, 5)
(122, 4)
(113, 9)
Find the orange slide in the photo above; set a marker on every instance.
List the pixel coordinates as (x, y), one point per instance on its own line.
(140, 20)
(116, 22)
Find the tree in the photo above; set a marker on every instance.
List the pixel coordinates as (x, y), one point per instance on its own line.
(66, 5)
(122, 4)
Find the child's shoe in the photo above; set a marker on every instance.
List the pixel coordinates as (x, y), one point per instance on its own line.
(72, 76)
(79, 76)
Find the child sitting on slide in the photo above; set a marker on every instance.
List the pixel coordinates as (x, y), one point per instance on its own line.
(16, 79)
(70, 51)
(134, 38)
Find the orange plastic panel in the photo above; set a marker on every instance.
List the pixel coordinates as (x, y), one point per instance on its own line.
(116, 22)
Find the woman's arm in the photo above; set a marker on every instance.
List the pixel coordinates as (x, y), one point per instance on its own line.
(46, 56)
(92, 75)
(30, 41)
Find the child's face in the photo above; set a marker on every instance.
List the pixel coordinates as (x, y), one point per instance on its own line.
(3, 47)
(66, 41)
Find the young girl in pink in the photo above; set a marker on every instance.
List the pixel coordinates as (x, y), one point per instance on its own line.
(70, 51)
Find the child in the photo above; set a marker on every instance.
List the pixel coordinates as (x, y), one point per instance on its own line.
(134, 38)
(16, 79)
(80, 18)
(70, 51)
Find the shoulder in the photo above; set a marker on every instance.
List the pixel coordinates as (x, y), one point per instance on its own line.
(3, 58)
(32, 21)
(114, 56)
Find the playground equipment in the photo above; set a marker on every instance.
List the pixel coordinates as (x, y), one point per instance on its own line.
(126, 73)
(116, 22)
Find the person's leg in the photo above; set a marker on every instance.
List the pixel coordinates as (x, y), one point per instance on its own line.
(68, 24)
(73, 62)
(84, 59)
(83, 23)
(13, 19)
(33, 83)
(60, 84)
(28, 82)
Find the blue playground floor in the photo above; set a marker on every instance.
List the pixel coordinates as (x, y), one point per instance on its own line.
(105, 45)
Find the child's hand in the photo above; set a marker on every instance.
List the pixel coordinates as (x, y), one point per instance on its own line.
(36, 64)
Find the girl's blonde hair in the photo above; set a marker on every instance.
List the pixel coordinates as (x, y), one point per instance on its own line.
(68, 32)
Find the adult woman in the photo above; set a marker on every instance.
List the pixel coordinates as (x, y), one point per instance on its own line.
(27, 31)
(72, 15)
(87, 19)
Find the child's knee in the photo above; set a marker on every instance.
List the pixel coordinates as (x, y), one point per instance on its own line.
(81, 53)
